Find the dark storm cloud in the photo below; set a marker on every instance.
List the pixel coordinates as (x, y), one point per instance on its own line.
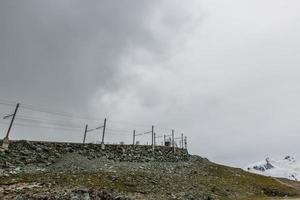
(65, 51)
(223, 72)
(88, 58)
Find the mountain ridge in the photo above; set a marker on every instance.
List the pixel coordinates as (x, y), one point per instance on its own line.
(288, 167)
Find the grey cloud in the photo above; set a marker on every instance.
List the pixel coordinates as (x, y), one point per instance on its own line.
(68, 50)
(224, 73)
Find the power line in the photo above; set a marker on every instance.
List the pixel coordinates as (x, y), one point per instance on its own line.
(41, 119)
(8, 101)
(45, 110)
(7, 104)
(62, 114)
(138, 125)
(162, 128)
(139, 134)
(48, 123)
(116, 133)
(38, 126)
(119, 130)
(94, 129)
(159, 136)
(129, 123)
(44, 121)
(70, 116)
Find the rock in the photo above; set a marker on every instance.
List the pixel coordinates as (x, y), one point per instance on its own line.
(42, 154)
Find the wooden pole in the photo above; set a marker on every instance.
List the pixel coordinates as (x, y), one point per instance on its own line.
(182, 141)
(173, 141)
(85, 131)
(133, 137)
(12, 121)
(152, 131)
(103, 134)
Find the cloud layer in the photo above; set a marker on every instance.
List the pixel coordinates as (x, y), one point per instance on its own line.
(224, 73)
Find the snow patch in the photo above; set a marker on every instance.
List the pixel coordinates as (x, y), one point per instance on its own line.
(287, 167)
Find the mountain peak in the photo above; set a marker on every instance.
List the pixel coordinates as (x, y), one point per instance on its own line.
(287, 167)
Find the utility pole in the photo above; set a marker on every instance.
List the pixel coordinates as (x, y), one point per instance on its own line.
(103, 134)
(133, 137)
(85, 131)
(12, 120)
(152, 131)
(173, 141)
(5, 141)
(154, 138)
(185, 142)
(182, 141)
(164, 144)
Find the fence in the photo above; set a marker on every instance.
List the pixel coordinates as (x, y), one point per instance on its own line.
(66, 127)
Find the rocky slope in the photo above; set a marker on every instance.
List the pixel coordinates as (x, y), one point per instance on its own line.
(73, 171)
(25, 152)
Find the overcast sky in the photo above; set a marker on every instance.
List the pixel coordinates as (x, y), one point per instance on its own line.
(226, 73)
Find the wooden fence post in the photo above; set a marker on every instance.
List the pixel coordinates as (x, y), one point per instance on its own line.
(133, 137)
(12, 120)
(173, 141)
(152, 131)
(103, 134)
(182, 146)
(85, 131)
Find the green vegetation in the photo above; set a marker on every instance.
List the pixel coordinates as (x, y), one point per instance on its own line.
(184, 181)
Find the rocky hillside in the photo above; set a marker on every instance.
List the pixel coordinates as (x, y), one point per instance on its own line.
(35, 170)
(22, 154)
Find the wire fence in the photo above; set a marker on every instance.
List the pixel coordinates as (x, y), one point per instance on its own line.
(29, 122)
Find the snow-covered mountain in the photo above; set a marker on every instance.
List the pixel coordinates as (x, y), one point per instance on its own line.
(287, 167)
